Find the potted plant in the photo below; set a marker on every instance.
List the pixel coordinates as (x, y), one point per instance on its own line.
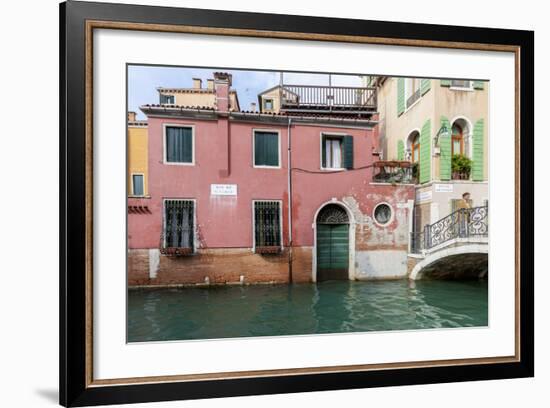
(461, 167)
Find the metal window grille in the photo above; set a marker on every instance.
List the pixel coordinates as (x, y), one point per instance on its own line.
(179, 228)
(267, 217)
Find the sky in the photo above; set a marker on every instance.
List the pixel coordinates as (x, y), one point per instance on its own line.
(144, 80)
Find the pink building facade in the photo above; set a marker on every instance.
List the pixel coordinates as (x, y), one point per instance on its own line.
(311, 213)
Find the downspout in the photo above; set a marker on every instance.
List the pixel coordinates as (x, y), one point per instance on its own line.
(289, 166)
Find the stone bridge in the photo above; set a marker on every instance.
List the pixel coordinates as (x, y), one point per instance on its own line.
(455, 247)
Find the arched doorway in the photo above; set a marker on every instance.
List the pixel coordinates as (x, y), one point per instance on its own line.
(332, 243)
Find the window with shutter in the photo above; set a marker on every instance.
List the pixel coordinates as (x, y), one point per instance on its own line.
(400, 96)
(337, 152)
(425, 152)
(179, 145)
(400, 150)
(445, 152)
(477, 151)
(266, 149)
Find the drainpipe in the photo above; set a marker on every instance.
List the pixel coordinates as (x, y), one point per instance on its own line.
(289, 166)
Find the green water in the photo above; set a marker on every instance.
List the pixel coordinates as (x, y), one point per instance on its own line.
(328, 307)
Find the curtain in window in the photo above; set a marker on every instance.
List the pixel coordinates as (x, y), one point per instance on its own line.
(333, 153)
(179, 145)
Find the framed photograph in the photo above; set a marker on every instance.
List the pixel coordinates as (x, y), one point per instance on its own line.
(256, 204)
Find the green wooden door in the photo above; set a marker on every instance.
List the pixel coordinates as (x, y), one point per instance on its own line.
(332, 251)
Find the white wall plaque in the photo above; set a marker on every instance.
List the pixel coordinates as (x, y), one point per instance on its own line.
(422, 196)
(223, 189)
(443, 188)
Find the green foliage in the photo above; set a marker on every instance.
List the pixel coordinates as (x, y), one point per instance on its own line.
(415, 170)
(461, 164)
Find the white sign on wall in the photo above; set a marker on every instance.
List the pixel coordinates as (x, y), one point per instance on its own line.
(223, 189)
(422, 196)
(443, 188)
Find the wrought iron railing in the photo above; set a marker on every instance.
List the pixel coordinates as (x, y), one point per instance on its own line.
(395, 172)
(330, 97)
(462, 223)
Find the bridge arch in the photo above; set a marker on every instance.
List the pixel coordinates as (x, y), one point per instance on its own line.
(469, 260)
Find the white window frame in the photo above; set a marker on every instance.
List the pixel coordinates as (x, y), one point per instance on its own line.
(264, 101)
(462, 88)
(254, 165)
(322, 146)
(195, 234)
(170, 96)
(164, 161)
(133, 187)
(392, 214)
(280, 202)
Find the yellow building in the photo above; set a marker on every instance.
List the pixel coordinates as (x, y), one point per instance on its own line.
(137, 156)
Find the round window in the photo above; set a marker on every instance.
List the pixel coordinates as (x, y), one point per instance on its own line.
(382, 213)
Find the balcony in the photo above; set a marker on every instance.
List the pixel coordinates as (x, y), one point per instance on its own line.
(394, 172)
(328, 99)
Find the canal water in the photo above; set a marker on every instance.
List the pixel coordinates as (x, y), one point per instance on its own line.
(327, 307)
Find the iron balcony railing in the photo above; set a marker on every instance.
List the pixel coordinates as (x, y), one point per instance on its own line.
(395, 172)
(462, 223)
(312, 97)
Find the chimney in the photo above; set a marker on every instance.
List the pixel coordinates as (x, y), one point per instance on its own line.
(253, 106)
(210, 84)
(222, 82)
(197, 83)
(131, 116)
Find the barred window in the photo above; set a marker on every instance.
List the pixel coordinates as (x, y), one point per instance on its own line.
(179, 216)
(267, 224)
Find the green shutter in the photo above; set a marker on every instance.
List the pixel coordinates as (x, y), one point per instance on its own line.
(478, 84)
(477, 165)
(425, 86)
(425, 152)
(348, 152)
(445, 82)
(400, 150)
(323, 152)
(445, 151)
(400, 96)
(266, 149)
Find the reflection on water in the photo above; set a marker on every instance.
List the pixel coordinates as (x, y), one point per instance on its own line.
(327, 307)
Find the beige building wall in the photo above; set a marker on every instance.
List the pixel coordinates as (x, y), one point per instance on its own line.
(199, 98)
(433, 199)
(470, 105)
